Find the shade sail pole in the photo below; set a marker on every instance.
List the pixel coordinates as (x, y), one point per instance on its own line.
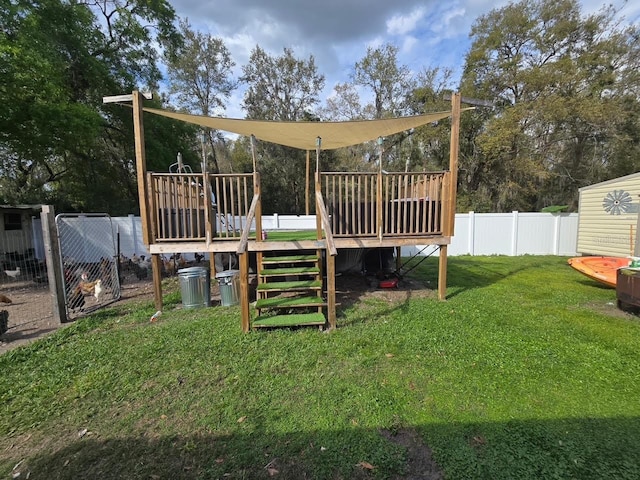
(253, 152)
(306, 183)
(318, 147)
(379, 191)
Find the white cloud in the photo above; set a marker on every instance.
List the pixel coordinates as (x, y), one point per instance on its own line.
(404, 24)
(428, 33)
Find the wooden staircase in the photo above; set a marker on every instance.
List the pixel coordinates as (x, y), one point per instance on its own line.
(289, 291)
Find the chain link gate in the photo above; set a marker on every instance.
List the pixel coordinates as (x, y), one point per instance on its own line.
(89, 262)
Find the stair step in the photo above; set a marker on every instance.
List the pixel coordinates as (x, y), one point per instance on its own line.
(298, 285)
(290, 302)
(273, 272)
(290, 259)
(289, 320)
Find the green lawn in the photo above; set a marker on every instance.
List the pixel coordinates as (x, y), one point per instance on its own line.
(527, 371)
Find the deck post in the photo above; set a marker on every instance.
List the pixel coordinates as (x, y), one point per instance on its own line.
(244, 290)
(442, 273)
(141, 173)
(453, 159)
(156, 268)
(331, 290)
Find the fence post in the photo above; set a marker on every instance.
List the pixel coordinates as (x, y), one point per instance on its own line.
(514, 234)
(556, 234)
(54, 265)
(472, 233)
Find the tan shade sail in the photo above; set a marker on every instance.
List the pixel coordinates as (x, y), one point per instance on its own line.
(303, 135)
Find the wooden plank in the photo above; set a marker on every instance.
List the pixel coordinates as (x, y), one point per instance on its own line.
(290, 259)
(300, 319)
(285, 271)
(294, 286)
(168, 248)
(327, 226)
(244, 239)
(289, 302)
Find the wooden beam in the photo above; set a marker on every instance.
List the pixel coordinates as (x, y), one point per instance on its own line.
(141, 165)
(253, 246)
(125, 98)
(325, 223)
(244, 239)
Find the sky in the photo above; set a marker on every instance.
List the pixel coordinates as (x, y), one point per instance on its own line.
(428, 33)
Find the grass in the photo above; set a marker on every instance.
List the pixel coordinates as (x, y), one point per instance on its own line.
(527, 371)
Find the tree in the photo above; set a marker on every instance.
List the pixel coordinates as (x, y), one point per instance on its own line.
(199, 72)
(560, 82)
(58, 59)
(390, 83)
(281, 88)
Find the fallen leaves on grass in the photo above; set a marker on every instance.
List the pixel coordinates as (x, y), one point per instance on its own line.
(365, 465)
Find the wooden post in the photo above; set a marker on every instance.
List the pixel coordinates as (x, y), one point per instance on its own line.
(442, 273)
(156, 268)
(331, 290)
(306, 184)
(156, 261)
(141, 165)
(54, 264)
(453, 159)
(141, 174)
(244, 291)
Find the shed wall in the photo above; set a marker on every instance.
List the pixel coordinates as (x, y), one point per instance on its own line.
(608, 217)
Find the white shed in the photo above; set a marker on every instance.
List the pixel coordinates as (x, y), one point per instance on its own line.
(608, 217)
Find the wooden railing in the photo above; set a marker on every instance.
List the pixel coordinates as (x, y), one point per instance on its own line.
(232, 194)
(207, 207)
(385, 204)
(178, 206)
(199, 207)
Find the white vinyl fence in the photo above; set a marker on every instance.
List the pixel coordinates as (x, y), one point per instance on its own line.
(514, 233)
(511, 234)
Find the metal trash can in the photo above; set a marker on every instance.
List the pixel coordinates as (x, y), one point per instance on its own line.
(229, 282)
(195, 286)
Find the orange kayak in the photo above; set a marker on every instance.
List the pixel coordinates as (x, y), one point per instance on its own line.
(601, 269)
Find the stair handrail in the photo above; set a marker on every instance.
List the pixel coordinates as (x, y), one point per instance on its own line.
(322, 209)
(244, 239)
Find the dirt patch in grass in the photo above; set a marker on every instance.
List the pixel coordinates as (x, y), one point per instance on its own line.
(351, 289)
(420, 462)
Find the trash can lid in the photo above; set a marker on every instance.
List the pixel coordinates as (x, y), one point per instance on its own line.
(189, 270)
(227, 273)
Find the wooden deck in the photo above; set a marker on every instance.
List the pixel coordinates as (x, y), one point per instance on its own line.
(203, 212)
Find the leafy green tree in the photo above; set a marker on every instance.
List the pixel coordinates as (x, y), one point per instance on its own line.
(560, 82)
(281, 88)
(390, 83)
(58, 58)
(199, 73)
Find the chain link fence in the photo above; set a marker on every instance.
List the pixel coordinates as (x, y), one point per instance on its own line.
(25, 303)
(89, 262)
